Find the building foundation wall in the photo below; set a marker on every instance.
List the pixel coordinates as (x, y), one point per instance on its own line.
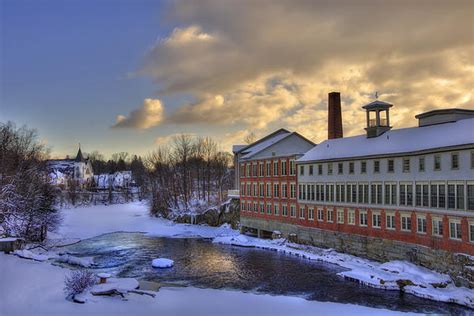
(459, 266)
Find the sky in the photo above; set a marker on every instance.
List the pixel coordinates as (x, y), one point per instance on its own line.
(128, 75)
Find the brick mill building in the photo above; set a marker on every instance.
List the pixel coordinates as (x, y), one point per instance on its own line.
(387, 194)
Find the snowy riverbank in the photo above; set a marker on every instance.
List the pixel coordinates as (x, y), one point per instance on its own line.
(30, 287)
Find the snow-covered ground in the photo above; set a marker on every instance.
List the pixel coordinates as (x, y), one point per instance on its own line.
(30, 287)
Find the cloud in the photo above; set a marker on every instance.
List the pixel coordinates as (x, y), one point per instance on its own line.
(149, 115)
(164, 140)
(261, 65)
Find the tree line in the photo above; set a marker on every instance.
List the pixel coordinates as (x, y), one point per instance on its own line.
(188, 171)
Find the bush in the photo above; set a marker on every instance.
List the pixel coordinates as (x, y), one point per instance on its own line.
(78, 281)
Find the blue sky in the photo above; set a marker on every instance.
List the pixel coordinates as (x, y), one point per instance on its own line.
(65, 68)
(127, 75)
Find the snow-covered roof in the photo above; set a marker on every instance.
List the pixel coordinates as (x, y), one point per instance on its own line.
(397, 141)
(252, 150)
(237, 148)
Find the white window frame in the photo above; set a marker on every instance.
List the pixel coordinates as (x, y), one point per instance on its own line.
(363, 214)
(379, 216)
(456, 222)
(418, 218)
(330, 215)
(311, 214)
(340, 216)
(402, 216)
(436, 232)
(351, 217)
(392, 220)
(320, 215)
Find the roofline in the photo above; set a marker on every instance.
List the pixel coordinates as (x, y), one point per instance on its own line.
(262, 139)
(273, 157)
(286, 136)
(398, 154)
(444, 111)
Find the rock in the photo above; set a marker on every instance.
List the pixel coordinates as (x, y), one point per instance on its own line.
(115, 286)
(162, 263)
(80, 298)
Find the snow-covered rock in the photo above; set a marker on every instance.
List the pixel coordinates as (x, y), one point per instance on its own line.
(162, 263)
(120, 285)
(85, 262)
(26, 254)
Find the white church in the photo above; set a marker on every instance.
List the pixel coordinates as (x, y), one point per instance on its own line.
(78, 169)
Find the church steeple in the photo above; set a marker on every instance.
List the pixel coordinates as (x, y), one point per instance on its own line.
(79, 156)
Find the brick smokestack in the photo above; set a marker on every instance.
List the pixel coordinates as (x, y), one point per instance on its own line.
(334, 116)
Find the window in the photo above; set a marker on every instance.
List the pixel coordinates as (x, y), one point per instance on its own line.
(301, 170)
(300, 191)
(301, 212)
(292, 211)
(292, 190)
(421, 195)
(340, 168)
(269, 169)
(454, 161)
(406, 222)
(376, 193)
(470, 196)
(269, 190)
(406, 164)
(421, 164)
(320, 215)
(292, 168)
(437, 226)
(376, 220)
(363, 167)
(363, 193)
(276, 209)
(254, 186)
(363, 218)
(284, 210)
(351, 217)
(311, 214)
(390, 165)
(340, 216)
(390, 220)
(269, 209)
(312, 192)
(406, 194)
(320, 169)
(329, 168)
(310, 170)
(284, 172)
(330, 216)
(438, 195)
(254, 170)
(421, 224)
(376, 166)
(471, 231)
(255, 207)
(437, 162)
(351, 167)
(455, 229)
(472, 159)
(284, 190)
(275, 168)
(390, 194)
(261, 169)
(261, 189)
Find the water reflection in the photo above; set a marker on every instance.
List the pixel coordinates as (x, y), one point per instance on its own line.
(200, 263)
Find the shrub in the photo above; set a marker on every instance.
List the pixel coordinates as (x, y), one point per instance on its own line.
(78, 281)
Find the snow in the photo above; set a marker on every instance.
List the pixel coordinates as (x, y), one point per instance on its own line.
(395, 141)
(252, 150)
(34, 288)
(6, 239)
(85, 262)
(121, 285)
(26, 254)
(40, 284)
(118, 179)
(104, 275)
(162, 263)
(87, 222)
(370, 273)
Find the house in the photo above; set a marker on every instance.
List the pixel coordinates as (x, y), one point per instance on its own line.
(78, 169)
(388, 194)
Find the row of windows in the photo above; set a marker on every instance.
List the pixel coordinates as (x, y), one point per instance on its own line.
(268, 168)
(343, 167)
(455, 231)
(276, 190)
(451, 195)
